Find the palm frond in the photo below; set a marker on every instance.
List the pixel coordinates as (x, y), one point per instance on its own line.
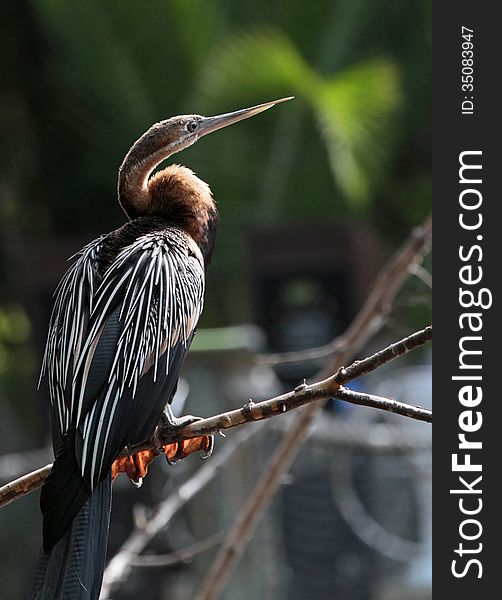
(353, 107)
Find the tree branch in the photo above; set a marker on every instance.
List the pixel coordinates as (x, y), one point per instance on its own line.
(388, 404)
(303, 394)
(23, 485)
(362, 367)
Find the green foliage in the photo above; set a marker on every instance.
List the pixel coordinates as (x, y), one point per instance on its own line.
(353, 107)
(14, 325)
(355, 110)
(15, 355)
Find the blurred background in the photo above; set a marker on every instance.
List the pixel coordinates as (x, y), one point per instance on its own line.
(314, 196)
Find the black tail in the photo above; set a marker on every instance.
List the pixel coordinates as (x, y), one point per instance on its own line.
(73, 568)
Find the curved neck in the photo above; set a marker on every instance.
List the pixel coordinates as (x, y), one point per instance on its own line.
(156, 145)
(134, 173)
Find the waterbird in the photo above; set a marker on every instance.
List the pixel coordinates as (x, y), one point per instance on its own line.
(124, 317)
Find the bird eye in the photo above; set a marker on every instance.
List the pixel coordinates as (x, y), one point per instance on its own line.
(192, 126)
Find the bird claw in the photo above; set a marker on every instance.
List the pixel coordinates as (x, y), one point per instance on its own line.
(177, 451)
(135, 465)
(157, 440)
(169, 423)
(207, 452)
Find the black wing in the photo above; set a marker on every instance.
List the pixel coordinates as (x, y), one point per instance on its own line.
(144, 316)
(68, 328)
(125, 366)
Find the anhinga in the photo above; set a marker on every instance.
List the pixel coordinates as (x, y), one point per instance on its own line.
(125, 314)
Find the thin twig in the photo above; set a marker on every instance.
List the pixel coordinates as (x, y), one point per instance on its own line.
(250, 514)
(365, 325)
(389, 404)
(362, 367)
(375, 310)
(183, 556)
(423, 274)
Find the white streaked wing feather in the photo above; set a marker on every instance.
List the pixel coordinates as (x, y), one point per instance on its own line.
(72, 306)
(160, 300)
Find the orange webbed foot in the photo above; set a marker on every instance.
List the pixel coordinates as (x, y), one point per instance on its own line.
(135, 466)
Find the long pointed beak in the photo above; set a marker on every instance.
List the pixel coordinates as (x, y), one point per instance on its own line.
(210, 124)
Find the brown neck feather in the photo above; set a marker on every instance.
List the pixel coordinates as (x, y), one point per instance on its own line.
(177, 195)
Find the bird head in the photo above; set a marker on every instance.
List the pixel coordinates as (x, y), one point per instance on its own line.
(174, 189)
(173, 135)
